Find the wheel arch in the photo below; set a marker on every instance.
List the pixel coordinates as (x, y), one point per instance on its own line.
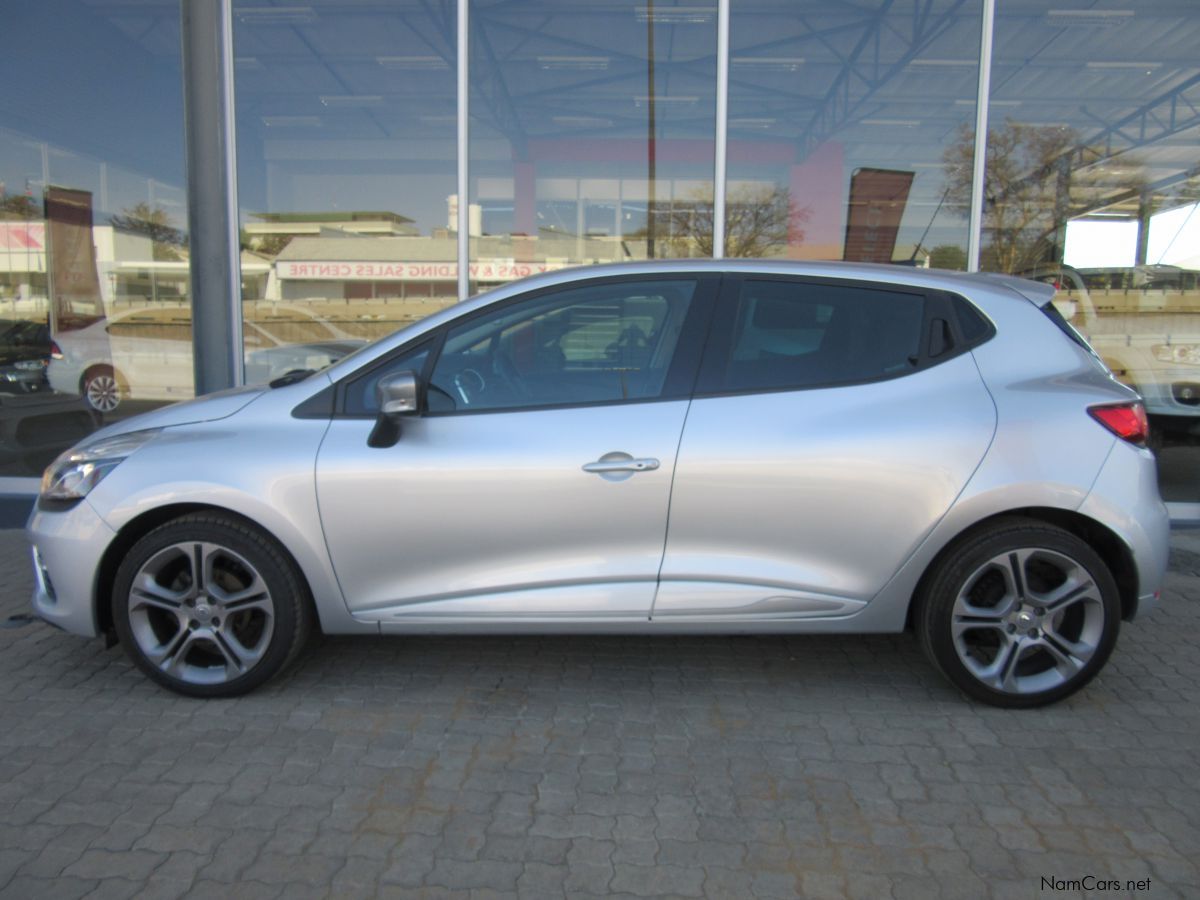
(92, 366)
(1105, 542)
(137, 528)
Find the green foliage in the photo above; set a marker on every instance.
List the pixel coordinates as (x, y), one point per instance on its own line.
(19, 207)
(948, 256)
(155, 223)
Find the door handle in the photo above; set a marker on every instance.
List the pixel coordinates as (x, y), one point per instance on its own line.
(602, 466)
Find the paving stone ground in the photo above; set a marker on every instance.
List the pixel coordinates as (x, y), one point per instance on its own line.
(681, 767)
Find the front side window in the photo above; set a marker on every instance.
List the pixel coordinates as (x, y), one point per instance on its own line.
(800, 335)
(599, 343)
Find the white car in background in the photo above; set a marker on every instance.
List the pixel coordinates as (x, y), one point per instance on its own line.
(1147, 330)
(147, 355)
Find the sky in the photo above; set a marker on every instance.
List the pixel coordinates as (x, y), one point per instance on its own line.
(1174, 240)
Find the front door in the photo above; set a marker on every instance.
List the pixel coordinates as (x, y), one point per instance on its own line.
(536, 486)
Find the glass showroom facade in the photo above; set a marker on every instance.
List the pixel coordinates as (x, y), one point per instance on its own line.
(594, 132)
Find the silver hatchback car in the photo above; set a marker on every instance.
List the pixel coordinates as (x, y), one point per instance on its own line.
(658, 448)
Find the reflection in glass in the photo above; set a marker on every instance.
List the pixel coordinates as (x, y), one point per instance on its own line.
(1093, 183)
(346, 171)
(839, 116)
(592, 133)
(92, 220)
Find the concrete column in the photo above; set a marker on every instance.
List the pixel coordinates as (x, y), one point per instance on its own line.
(216, 278)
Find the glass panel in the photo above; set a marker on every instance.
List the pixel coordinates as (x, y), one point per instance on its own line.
(592, 133)
(93, 221)
(849, 129)
(346, 171)
(1093, 185)
(588, 345)
(792, 335)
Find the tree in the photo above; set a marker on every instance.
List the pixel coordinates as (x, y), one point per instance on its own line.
(155, 223)
(760, 220)
(1020, 182)
(19, 206)
(1032, 185)
(266, 244)
(948, 256)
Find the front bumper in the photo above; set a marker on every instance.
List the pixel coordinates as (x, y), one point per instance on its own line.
(67, 548)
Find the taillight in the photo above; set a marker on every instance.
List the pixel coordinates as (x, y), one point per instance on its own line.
(1126, 420)
(55, 350)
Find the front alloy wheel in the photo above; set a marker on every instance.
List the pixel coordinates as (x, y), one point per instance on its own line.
(208, 606)
(1022, 615)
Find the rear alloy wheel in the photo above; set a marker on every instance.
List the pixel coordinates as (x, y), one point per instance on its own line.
(101, 389)
(1020, 615)
(209, 607)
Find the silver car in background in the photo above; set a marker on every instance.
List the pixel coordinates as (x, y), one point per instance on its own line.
(655, 448)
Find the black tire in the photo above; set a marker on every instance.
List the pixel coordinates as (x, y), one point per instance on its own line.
(1012, 648)
(276, 621)
(102, 389)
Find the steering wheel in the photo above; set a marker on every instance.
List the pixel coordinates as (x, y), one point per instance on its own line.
(470, 385)
(504, 367)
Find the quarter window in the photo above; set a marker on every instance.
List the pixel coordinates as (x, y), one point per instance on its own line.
(802, 335)
(360, 396)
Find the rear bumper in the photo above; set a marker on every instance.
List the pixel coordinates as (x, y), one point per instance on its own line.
(1125, 498)
(67, 548)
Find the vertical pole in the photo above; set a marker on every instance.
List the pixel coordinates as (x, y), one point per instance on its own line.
(104, 186)
(975, 238)
(208, 118)
(464, 198)
(719, 154)
(1145, 210)
(50, 286)
(1062, 207)
(651, 128)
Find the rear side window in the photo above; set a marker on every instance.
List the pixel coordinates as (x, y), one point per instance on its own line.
(790, 334)
(971, 323)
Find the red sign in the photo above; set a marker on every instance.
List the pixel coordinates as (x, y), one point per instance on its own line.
(30, 236)
(332, 270)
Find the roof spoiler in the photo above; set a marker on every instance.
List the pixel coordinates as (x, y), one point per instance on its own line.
(1036, 292)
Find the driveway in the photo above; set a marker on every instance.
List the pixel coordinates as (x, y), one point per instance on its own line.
(683, 767)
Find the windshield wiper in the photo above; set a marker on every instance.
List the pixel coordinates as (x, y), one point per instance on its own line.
(290, 377)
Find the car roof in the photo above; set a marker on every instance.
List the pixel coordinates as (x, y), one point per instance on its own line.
(969, 283)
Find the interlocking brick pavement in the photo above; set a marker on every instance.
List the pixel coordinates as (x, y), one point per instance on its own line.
(639, 767)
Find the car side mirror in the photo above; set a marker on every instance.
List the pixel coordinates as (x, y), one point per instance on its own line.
(399, 394)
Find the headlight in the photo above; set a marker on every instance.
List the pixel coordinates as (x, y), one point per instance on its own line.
(1184, 354)
(73, 475)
